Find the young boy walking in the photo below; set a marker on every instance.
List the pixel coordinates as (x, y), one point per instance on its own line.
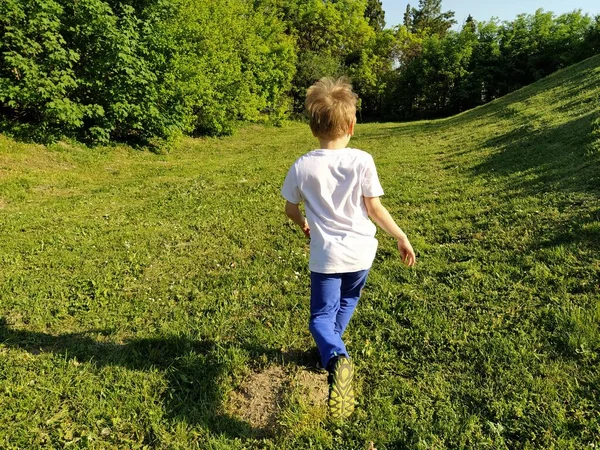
(340, 190)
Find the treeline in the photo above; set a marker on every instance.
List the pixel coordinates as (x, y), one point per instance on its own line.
(148, 70)
(440, 72)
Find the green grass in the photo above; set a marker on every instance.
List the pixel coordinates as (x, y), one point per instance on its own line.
(137, 291)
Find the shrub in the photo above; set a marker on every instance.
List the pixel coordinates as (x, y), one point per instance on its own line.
(123, 72)
(233, 63)
(37, 76)
(102, 70)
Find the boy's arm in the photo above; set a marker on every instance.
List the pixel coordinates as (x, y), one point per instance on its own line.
(382, 217)
(292, 210)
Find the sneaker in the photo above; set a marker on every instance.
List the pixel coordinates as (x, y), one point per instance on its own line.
(341, 393)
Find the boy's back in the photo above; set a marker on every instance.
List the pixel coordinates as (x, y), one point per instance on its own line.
(332, 184)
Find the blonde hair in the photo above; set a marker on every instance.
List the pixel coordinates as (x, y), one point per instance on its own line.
(331, 107)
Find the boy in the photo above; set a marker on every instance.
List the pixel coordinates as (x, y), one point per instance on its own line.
(340, 189)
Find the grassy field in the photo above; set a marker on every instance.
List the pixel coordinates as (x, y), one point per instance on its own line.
(160, 301)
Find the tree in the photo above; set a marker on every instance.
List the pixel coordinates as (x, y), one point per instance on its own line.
(486, 65)
(429, 19)
(369, 73)
(330, 36)
(233, 62)
(375, 14)
(103, 70)
(407, 21)
(470, 24)
(592, 36)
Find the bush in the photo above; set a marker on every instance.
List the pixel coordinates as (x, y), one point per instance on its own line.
(101, 70)
(124, 72)
(37, 75)
(233, 63)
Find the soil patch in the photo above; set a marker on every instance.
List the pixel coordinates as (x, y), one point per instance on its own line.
(258, 400)
(314, 385)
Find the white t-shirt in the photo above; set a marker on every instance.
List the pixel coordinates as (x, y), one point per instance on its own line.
(332, 184)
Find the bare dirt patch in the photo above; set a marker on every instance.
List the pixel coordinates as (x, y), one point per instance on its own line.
(258, 400)
(314, 385)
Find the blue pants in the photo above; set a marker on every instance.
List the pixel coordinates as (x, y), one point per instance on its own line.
(333, 298)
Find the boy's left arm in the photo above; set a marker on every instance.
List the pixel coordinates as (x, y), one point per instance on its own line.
(382, 217)
(292, 210)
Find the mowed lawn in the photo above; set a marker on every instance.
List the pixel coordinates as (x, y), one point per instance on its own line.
(147, 300)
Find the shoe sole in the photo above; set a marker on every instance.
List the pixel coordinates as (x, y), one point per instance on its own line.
(341, 392)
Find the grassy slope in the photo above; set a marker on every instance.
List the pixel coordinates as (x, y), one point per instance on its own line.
(137, 290)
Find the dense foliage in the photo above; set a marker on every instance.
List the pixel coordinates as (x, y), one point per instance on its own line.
(442, 72)
(101, 70)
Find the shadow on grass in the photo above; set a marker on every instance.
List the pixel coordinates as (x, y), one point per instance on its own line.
(193, 370)
(34, 133)
(567, 83)
(581, 229)
(556, 158)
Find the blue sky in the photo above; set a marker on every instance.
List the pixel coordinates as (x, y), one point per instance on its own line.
(483, 10)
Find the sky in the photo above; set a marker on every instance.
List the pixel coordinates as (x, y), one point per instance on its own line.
(484, 10)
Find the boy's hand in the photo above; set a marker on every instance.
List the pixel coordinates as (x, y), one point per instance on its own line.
(292, 210)
(406, 252)
(306, 229)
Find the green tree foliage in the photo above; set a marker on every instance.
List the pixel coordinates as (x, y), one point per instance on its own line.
(431, 81)
(144, 70)
(485, 67)
(407, 18)
(370, 73)
(233, 62)
(447, 72)
(121, 72)
(375, 14)
(330, 37)
(592, 36)
(37, 75)
(84, 69)
(429, 19)
(102, 70)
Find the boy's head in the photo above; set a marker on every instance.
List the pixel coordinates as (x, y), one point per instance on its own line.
(331, 107)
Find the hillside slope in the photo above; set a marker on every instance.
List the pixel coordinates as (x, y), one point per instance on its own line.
(162, 300)
(504, 201)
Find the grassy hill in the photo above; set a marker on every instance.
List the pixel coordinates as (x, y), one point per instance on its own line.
(160, 301)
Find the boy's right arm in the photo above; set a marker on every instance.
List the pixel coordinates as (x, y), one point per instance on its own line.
(382, 217)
